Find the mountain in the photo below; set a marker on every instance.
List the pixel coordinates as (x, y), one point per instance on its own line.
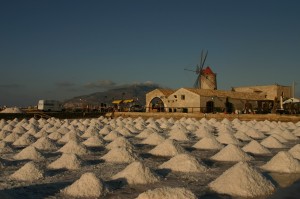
(134, 91)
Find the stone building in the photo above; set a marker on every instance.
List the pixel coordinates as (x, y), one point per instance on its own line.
(239, 99)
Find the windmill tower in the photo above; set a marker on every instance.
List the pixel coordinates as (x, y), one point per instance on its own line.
(206, 78)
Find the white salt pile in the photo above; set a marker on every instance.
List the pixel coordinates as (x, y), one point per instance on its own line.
(154, 139)
(256, 148)
(208, 143)
(145, 133)
(94, 141)
(29, 172)
(41, 133)
(295, 151)
(66, 161)
(183, 163)
(24, 140)
(228, 138)
(120, 142)
(120, 155)
(74, 147)
(282, 162)
(231, 153)
(255, 134)
(12, 137)
(202, 132)
(12, 110)
(29, 153)
(242, 180)
(273, 143)
(88, 186)
(45, 143)
(167, 193)
(137, 173)
(167, 148)
(105, 130)
(287, 135)
(5, 148)
(178, 134)
(242, 136)
(112, 136)
(69, 136)
(279, 138)
(55, 136)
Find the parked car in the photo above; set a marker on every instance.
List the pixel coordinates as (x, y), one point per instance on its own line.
(136, 108)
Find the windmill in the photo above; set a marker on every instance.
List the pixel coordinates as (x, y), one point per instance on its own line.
(199, 69)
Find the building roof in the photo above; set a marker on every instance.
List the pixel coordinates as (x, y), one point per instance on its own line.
(230, 94)
(165, 92)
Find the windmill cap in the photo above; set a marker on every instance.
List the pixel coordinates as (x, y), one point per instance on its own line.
(208, 71)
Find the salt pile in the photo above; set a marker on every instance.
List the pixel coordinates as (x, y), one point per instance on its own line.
(112, 135)
(183, 163)
(120, 155)
(120, 142)
(55, 136)
(256, 148)
(5, 148)
(29, 153)
(144, 134)
(88, 185)
(45, 143)
(242, 180)
(242, 136)
(154, 139)
(255, 134)
(94, 141)
(4, 133)
(105, 130)
(273, 143)
(167, 148)
(29, 172)
(41, 133)
(287, 135)
(282, 162)
(167, 193)
(178, 134)
(231, 153)
(12, 110)
(279, 138)
(202, 132)
(24, 140)
(210, 143)
(11, 137)
(228, 138)
(295, 151)
(137, 173)
(69, 136)
(66, 161)
(74, 147)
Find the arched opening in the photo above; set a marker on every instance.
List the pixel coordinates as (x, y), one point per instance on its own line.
(156, 105)
(210, 107)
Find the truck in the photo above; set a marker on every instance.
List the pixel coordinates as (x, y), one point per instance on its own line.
(49, 105)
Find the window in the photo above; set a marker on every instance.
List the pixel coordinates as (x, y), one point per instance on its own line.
(175, 96)
(182, 97)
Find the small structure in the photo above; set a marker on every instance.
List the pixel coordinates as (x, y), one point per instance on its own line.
(123, 105)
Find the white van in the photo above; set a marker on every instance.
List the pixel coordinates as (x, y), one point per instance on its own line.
(49, 105)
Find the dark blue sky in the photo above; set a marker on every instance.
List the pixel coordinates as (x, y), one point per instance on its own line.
(58, 49)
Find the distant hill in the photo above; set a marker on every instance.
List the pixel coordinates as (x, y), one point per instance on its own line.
(134, 91)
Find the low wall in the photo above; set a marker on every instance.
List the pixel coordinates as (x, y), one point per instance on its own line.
(218, 116)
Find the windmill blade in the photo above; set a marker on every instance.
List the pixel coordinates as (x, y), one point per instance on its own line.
(203, 60)
(197, 82)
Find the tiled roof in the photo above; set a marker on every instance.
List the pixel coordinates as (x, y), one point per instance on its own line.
(230, 94)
